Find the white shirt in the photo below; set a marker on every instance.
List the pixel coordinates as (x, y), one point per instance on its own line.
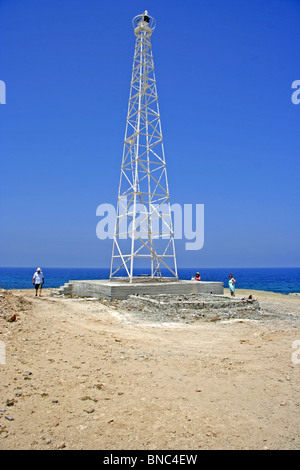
(38, 277)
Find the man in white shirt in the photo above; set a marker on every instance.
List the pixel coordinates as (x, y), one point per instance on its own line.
(38, 281)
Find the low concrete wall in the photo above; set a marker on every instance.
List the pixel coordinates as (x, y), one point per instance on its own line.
(121, 290)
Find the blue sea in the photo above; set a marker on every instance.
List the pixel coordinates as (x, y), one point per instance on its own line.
(283, 280)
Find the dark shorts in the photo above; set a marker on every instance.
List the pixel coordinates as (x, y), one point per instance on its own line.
(37, 286)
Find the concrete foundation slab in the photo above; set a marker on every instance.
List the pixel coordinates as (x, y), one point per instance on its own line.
(121, 289)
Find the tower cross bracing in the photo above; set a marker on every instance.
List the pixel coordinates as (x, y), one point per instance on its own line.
(143, 230)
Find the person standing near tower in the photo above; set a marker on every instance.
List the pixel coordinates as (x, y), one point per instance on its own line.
(231, 284)
(38, 281)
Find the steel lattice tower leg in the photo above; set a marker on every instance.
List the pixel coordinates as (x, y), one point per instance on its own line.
(143, 229)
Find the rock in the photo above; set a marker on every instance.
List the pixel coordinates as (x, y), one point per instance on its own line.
(82, 427)
(9, 418)
(10, 402)
(10, 317)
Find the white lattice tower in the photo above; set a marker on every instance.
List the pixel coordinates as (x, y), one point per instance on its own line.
(143, 235)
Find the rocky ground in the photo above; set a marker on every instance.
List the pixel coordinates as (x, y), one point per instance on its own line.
(90, 374)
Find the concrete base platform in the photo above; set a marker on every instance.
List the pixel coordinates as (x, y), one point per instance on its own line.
(121, 289)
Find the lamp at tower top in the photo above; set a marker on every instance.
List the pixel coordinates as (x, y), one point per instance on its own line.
(143, 23)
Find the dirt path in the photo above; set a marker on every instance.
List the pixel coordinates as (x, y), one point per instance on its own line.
(79, 375)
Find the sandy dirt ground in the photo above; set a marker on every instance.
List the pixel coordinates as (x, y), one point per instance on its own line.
(78, 374)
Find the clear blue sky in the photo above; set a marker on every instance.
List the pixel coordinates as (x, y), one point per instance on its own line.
(224, 72)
